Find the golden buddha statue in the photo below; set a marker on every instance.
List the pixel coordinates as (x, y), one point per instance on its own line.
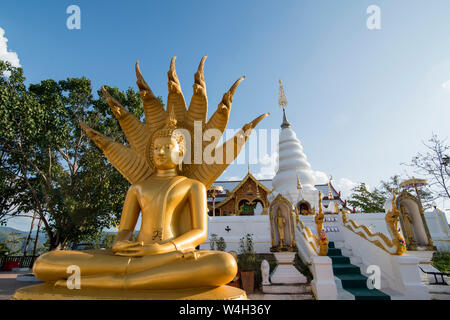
(281, 222)
(170, 195)
(407, 225)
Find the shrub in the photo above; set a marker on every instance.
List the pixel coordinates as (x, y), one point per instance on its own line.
(221, 245)
(441, 261)
(247, 258)
(212, 241)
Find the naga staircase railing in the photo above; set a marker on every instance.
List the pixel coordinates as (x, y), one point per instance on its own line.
(394, 246)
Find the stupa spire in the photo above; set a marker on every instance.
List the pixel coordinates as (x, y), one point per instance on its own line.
(282, 101)
(294, 178)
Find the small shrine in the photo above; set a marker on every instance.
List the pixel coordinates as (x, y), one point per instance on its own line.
(412, 220)
(282, 225)
(284, 247)
(249, 197)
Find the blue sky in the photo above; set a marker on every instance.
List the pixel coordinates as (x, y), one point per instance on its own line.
(361, 101)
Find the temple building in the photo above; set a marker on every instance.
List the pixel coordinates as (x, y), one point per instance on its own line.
(284, 215)
(294, 180)
(250, 196)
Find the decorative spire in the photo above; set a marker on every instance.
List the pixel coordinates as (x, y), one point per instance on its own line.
(299, 185)
(282, 101)
(330, 194)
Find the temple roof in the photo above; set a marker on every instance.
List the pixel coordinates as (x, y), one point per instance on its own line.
(233, 185)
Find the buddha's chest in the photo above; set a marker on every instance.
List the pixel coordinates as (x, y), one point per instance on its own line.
(161, 197)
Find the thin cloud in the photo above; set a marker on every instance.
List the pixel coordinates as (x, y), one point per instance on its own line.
(269, 166)
(5, 55)
(446, 85)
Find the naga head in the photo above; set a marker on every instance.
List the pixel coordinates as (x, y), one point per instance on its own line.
(156, 144)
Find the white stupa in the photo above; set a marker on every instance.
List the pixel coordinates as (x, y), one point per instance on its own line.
(292, 163)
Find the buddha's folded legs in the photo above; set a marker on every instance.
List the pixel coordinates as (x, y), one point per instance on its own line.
(204, 269)
(53, 265)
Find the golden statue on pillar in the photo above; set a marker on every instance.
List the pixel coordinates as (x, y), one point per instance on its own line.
(170, 196)
(407, 225)
(281, 222)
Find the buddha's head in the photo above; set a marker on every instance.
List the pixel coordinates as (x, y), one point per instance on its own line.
(167, 147)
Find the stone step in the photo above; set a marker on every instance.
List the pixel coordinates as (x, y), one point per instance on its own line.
(263, 296)
(334, 252)
(367, 294)
(339, 259)
(353, 281)
(346, 269)
(286, 288)
(439, 296)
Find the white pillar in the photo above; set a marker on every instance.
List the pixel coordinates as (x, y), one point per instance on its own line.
(323, 284)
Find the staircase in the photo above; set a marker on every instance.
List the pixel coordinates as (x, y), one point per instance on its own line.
(298, 291)
(351, 278)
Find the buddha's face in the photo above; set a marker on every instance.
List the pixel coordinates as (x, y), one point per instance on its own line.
(167, 153)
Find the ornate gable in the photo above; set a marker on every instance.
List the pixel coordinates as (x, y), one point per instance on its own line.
(242, 200)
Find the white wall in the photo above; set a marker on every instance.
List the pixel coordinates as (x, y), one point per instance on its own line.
(439, 229)
(374, 221)
(260, 227)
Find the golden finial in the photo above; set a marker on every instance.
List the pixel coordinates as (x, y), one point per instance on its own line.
(330, 194)
(299, 185)
(282, 101)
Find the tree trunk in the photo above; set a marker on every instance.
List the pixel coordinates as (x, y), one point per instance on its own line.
(37, 237)
(29, 234)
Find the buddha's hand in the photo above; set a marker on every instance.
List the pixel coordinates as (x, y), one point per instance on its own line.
(138, 249)
(124, 244)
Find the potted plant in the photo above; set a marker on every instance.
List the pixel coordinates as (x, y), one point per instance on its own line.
(247, 263)
(221, 244)
(218, 244)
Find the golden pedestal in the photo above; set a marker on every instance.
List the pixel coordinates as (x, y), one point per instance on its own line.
(47, 291)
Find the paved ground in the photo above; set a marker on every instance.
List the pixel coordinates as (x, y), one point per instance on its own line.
(9, 284)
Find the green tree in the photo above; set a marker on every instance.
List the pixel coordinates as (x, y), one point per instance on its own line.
(434, 164)
(394, 183)
(4, 250)
(14, 243)
(373, 201)
(51, 167)
(365, 200)
(104, 240)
